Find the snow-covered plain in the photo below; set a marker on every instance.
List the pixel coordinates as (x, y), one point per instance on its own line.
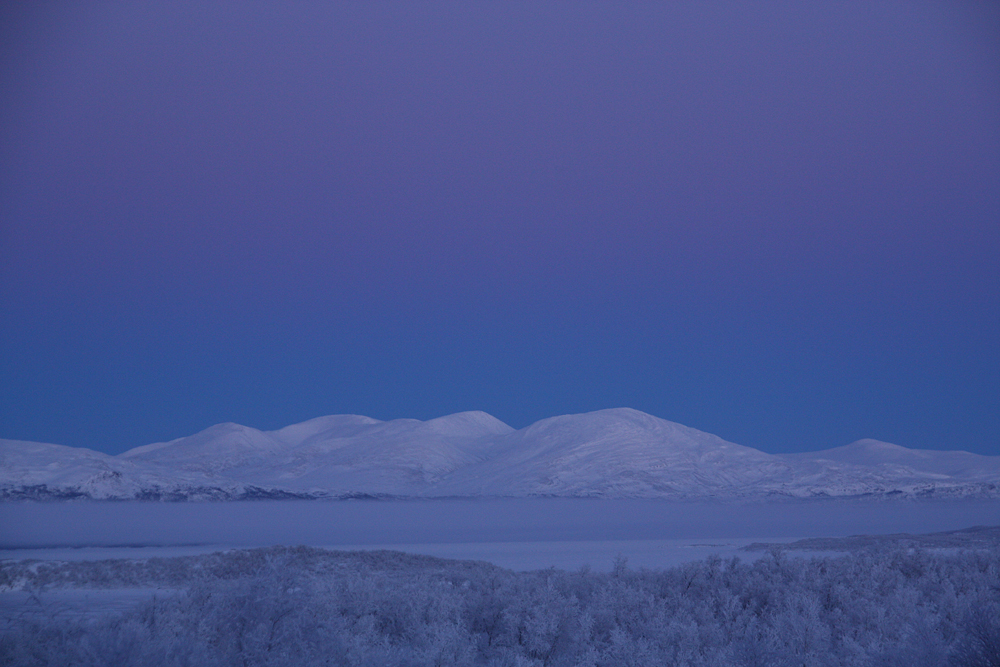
(619, 453)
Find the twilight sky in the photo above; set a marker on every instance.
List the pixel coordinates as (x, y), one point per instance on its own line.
(778, 222)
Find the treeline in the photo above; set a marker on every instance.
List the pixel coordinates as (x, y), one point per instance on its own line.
(302, 607)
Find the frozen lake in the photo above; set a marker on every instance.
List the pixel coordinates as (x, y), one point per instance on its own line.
(516, 533)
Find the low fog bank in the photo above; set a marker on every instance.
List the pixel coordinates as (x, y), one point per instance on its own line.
(361, 523)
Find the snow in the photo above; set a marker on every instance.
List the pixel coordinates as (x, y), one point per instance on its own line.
(68, 605)
(875, 453)
(303, 606)
(157, 567)
(617, 453)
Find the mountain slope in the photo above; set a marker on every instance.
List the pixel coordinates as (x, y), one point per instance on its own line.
(619, 452)
(41, 470)
(335, 455)
(875, 453)
(875, 467)
(399, 457)
(219, 448)
(608, 453)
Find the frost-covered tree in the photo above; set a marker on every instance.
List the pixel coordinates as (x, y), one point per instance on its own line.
(278, 607)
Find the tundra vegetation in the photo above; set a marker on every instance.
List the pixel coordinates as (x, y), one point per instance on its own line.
(284, 606)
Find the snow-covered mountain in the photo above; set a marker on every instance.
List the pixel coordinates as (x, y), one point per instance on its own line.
(611, 453)
(336, 455)
(874, 467)
(608, 453)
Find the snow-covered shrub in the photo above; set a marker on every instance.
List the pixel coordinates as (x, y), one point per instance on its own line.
(299, 606)
(979, 645)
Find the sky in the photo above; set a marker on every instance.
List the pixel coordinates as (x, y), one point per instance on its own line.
(776, 222)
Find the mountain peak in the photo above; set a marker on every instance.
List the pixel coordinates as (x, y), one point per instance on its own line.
(219, 446)
(617, 452)
(324, 428)
(473, 421)
(872, 445)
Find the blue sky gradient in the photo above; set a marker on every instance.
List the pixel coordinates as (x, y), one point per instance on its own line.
(775, 223)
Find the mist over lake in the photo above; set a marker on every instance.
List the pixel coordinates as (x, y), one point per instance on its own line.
(533, 532)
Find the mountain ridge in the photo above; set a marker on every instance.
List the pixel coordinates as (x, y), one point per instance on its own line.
(613, 453)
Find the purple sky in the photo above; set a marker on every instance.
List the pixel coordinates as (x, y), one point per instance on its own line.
(777, 222)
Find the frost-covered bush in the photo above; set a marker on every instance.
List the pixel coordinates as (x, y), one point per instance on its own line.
(312, 607)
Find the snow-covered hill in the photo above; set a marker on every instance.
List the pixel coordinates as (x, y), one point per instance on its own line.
(612, 453)
(336, 455)
(874, 467)
(608, 453)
